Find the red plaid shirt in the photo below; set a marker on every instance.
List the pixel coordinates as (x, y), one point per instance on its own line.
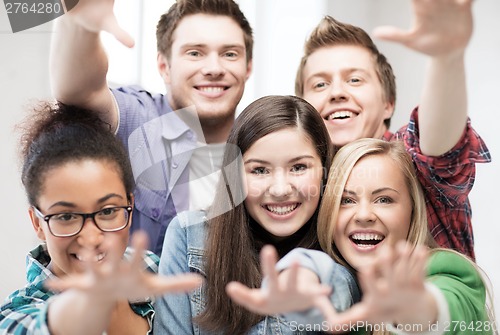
(447, 181)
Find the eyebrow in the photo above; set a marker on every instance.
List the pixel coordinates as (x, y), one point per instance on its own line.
(201, 45)
(377, 191)
(322, 74)
(261, 161)
(99, 201)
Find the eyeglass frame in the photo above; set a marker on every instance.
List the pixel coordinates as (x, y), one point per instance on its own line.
(85, 216)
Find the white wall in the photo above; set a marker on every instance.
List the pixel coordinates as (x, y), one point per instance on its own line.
(280, 27)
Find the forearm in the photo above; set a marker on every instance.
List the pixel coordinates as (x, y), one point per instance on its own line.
(77, 313)
(428, 315)
(78, 64)
(443, 109)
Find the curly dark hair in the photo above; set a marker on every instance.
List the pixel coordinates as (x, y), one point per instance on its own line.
(54, 134)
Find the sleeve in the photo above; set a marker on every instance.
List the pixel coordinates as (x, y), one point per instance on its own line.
(443, 318)
(135, 106)
(345, 289)
(464, 291)
(173, 311)
(449, 177)
(24, 315)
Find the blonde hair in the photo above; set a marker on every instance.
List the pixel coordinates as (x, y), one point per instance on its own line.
(343, 163)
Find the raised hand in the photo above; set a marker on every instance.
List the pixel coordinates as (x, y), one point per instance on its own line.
(394, 279)
(295, 289)
(440, 27)
(119, 279)
(98, 15)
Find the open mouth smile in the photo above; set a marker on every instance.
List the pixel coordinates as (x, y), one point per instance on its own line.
(340, 115)
(366, 240)
(281, 209)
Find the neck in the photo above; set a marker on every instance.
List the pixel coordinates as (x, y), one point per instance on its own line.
(209, 130)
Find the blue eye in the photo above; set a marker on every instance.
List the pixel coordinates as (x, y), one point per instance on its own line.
(231, 54)
(321, 84)
(193, 53)
(346, 201)
(385, 200)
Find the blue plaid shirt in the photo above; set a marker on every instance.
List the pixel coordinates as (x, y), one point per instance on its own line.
(25, 310)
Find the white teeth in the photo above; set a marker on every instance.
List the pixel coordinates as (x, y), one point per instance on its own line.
(211, 89)
(341, 115)
(281, 210)
(97, 258)
(367, 237)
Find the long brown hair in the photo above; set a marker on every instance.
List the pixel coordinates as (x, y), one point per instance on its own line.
(233, 244)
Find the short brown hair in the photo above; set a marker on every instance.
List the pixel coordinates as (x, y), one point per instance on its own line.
(182, 8)
(330, 32)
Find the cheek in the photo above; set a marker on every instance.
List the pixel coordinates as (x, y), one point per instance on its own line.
(315, 99)
(57, 246)
(310, 186)
(254, 188)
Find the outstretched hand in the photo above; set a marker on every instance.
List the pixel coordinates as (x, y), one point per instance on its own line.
(119, 279)
(440, 27)
(98, 15)
(395, 278)
(295, 289)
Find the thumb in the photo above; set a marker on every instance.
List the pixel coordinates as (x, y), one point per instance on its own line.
(392, 34)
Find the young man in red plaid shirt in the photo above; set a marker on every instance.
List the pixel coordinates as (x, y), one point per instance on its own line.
(351, 84)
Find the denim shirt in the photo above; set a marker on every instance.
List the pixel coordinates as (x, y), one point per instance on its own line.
(183, 251)
(159, 145)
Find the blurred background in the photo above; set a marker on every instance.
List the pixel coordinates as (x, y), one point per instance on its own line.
(280, 29)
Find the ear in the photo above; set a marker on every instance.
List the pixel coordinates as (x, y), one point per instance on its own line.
(249, 69)
(132, 199)
(37, 224)
(163, 67)
(388, 110)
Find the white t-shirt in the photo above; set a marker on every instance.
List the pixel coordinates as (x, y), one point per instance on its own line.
(204, 172)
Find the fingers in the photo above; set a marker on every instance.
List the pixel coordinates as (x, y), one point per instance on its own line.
(357, 313)
(139, 243)
(58, 285)
(268, 260)
(111, 26)
(246, 297)
(392, 34)
(173, 284)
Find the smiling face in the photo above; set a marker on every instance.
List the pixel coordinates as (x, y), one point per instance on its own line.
(342, 84)
(283, 186)
(207, 67)
(375, 210)
(81, 187)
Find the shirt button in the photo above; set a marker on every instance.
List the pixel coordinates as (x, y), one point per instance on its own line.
(175, 165)
(155, 212)
(190, 135)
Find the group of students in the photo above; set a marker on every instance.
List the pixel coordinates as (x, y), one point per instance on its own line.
(375, 226)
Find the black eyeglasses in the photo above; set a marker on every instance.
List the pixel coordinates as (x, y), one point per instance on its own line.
(109, 219)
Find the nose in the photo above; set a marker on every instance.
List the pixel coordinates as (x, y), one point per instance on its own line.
(90, 236)
(338, 92)
(280, 185)
(364, 213)
(213, 66)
